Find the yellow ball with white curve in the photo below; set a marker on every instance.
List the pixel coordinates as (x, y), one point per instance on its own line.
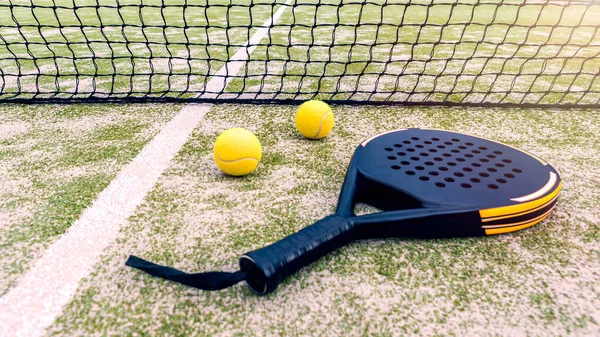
(237, 151)
(314, 119)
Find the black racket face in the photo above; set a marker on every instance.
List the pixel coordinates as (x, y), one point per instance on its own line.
(434, 168)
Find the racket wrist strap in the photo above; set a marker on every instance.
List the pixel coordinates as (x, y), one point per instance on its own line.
(204, 281)
(265, 268)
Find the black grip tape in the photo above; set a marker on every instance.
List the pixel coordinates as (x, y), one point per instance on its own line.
(269, 266)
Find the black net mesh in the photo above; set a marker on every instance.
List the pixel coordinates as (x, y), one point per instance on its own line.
(491, 52)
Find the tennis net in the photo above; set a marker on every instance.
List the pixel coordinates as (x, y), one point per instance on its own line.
(464, 52)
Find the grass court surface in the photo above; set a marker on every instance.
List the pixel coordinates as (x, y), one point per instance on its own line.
(541, 281)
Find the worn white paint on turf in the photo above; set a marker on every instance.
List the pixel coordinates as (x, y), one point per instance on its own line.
(33, 305)
(36, 301)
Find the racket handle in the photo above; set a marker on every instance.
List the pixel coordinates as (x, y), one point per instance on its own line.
(269, 266)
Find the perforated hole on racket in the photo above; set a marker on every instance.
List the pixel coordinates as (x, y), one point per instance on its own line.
(427, 184)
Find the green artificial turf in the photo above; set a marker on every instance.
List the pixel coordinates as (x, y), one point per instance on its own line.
(539, 282)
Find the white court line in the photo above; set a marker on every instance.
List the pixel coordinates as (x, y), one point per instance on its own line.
(30, 307)
(234, 64)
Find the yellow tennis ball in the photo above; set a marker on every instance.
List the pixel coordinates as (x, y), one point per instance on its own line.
(314, 119)
(237, 151)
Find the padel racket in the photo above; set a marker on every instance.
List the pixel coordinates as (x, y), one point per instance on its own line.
(427, 183)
